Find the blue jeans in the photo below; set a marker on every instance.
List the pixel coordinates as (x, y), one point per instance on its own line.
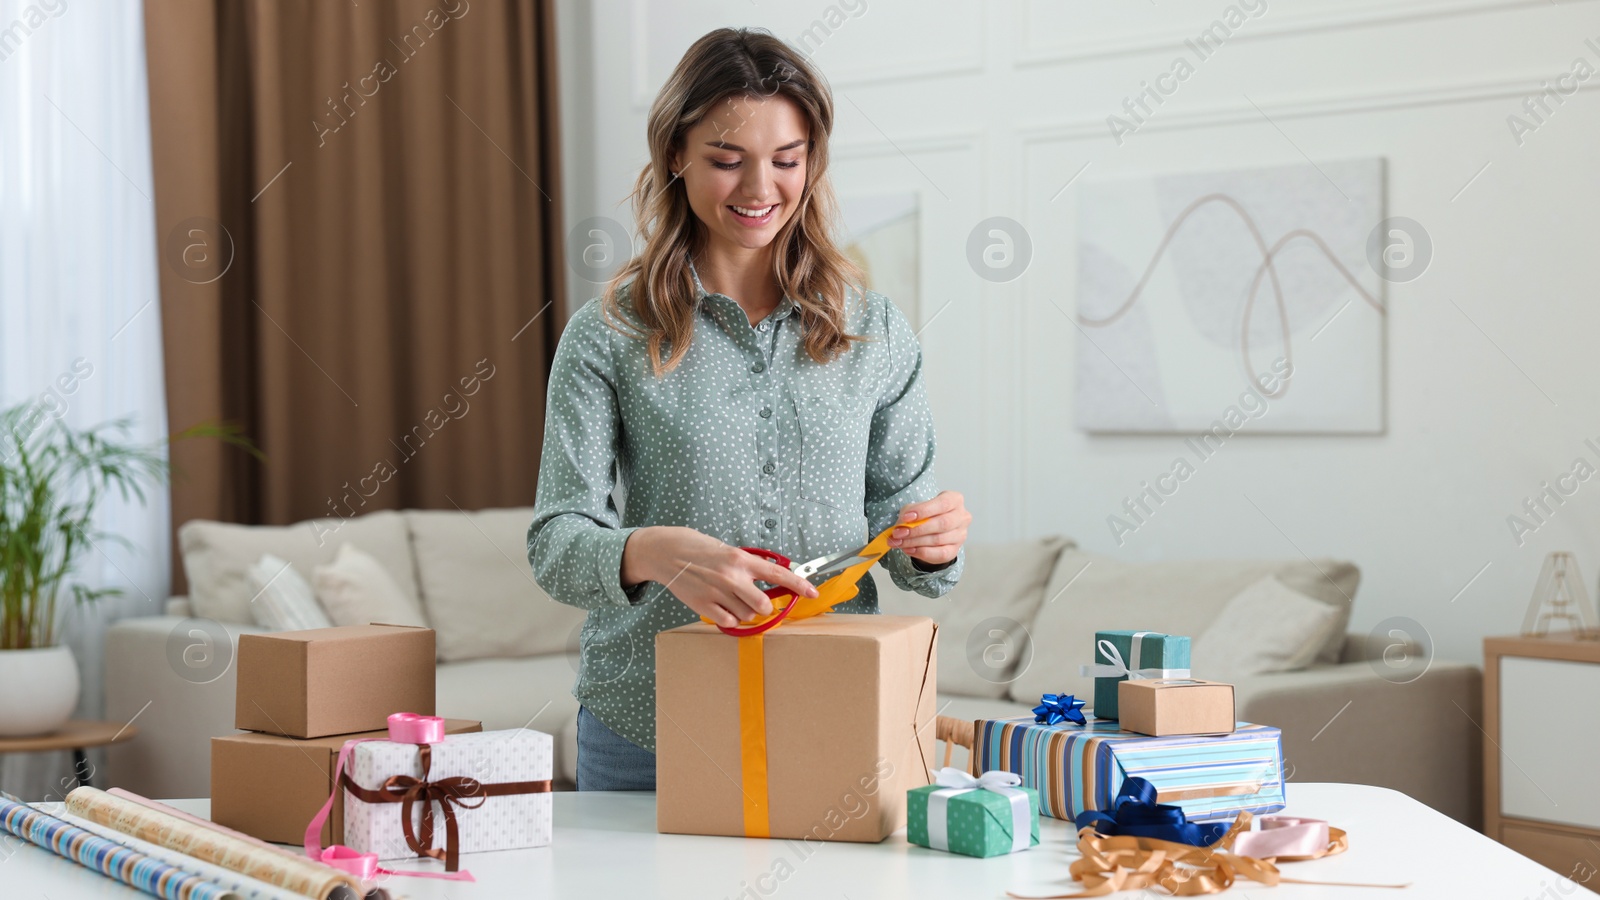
(607, 761)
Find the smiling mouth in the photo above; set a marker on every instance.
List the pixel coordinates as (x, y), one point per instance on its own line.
(755, 212)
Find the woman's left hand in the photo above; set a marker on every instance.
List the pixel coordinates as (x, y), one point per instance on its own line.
(936, 540)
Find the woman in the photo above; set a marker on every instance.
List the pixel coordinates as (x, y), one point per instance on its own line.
(739, 387)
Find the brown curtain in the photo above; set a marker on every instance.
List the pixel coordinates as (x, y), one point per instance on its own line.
(360, 230)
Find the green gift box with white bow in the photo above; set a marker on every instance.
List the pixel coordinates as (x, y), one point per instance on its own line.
(1120, 655)
(986, 816)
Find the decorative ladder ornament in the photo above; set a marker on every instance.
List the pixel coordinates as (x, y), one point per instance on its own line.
(1560, 599)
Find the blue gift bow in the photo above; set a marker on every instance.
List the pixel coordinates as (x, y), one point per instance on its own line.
(1135, 813)
(1053, 709)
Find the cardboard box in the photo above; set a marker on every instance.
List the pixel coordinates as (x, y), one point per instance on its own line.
(1152, 653)
(325, 681)
(269, 786)
(1081, 767)
(1176, 706)
(849, 709)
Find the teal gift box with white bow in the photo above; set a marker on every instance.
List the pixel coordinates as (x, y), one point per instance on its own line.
(1120, 655)
(984, 816)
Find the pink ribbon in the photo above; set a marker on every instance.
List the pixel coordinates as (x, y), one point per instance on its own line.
(404, 728)
(1283, 836)
(410, 728)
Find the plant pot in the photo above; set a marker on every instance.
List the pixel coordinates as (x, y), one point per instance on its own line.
(38, 690)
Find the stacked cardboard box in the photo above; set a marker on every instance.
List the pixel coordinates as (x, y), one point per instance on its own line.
(301, 696)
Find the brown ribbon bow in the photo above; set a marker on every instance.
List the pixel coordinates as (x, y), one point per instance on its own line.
(447, 793)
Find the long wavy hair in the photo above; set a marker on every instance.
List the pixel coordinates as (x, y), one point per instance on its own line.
(810, 269)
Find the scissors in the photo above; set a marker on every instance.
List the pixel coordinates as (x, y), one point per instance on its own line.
(822, 572)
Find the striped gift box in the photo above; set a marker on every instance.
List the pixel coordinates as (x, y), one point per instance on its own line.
(1081, 767)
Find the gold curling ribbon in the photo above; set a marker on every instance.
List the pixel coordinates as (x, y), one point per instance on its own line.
(752, 678)
(1111, 864)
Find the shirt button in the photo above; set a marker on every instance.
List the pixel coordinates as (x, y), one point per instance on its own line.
(759, 368)
(771, 523)
(769, 468)
(764, 326)
(766, 413)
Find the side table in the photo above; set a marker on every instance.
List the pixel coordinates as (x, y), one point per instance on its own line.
(77, 735)
(1540, 794)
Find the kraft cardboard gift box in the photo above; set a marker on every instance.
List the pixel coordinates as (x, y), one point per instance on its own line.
(1171, 706)
(324, 681)
(844, 704)
(269, 786)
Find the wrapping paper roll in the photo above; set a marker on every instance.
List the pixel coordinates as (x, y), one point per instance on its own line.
(114, 861)
(303, 877)
(158, 806)
(246, 887)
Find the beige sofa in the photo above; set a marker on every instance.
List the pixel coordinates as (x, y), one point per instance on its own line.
(1019, 624)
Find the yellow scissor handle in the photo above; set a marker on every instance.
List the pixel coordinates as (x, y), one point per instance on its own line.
(836, 590)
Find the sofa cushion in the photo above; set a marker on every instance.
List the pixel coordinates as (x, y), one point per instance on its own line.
(983, 620)
(216, 556)
(280, 599)
(478, 589)
(1267, 627)
(356, 589)
(1088, 593)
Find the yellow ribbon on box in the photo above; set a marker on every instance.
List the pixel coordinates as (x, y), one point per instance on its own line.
(752, 672)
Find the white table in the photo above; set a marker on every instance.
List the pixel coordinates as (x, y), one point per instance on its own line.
(606, 846)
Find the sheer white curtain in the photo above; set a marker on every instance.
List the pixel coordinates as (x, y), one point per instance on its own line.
(80, 328)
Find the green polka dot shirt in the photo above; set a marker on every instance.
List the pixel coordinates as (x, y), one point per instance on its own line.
(748, 440)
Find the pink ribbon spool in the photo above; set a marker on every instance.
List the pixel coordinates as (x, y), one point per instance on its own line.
(1283, 836)
(410, 728)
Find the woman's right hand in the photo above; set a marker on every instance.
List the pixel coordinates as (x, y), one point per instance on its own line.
(715, 579)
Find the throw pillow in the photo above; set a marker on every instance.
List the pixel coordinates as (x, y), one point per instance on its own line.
(216, 555)
(280, 598)
(356, 589)
(1267, 627)
(984, 620)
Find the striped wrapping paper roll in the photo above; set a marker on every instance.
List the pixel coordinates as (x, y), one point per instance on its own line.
(296, 875)
(130, 867)
(246, 887)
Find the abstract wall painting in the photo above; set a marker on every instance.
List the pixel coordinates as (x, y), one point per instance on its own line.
(1199, 294)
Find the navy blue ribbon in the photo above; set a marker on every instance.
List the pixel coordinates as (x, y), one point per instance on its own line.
(1135, 813)
(1053, 709)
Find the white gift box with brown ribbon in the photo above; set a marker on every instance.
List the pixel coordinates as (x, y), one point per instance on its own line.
(451, 785)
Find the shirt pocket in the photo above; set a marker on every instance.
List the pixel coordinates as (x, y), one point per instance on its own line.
(834, 434)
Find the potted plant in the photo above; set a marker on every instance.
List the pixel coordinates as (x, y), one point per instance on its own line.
(52, 479)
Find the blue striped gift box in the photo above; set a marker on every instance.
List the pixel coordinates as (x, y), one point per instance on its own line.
(1080, 767)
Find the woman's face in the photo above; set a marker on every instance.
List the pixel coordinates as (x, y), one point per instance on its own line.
(744, 168)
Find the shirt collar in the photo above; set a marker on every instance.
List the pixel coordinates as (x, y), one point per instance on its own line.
(781, 311)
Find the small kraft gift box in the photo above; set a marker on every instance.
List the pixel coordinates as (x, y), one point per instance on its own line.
(814, 730)
(465, 794)
(988, 815)
(1076, 768)
(1172, 706)
(1123, 655)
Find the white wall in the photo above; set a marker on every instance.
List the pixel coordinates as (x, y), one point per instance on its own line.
(989, 109)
